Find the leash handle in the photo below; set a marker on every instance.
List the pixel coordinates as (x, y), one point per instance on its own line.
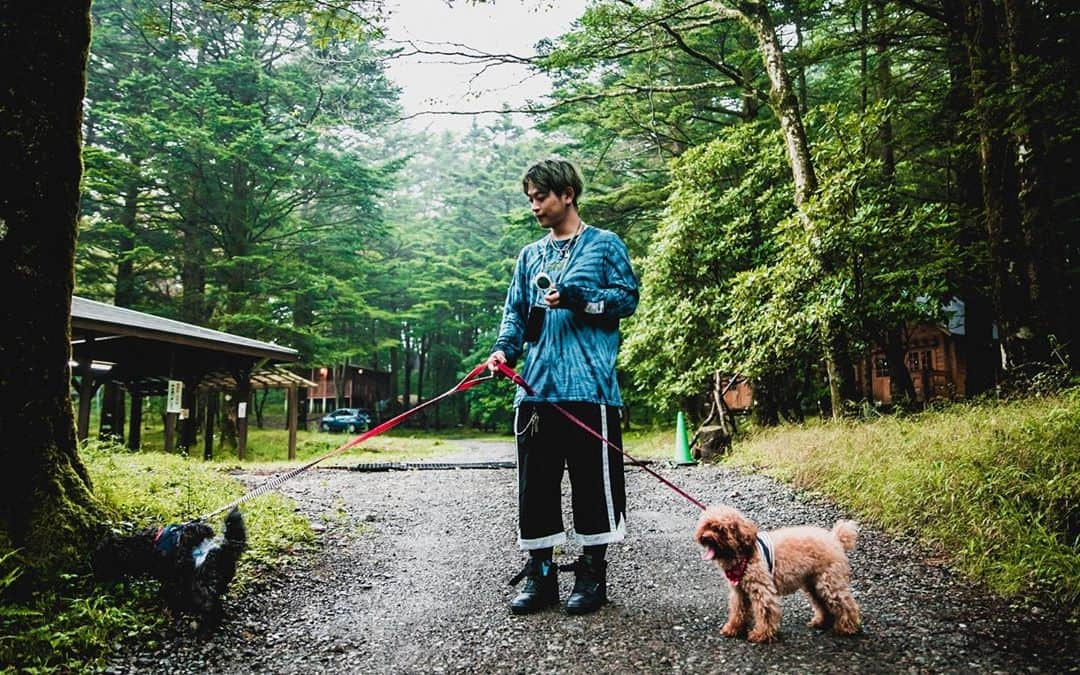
(509, 373)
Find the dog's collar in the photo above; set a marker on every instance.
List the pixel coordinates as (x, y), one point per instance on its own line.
(167, 538)
(735, 574)
(765, 545)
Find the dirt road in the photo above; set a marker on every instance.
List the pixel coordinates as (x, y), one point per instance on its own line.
(412, 569)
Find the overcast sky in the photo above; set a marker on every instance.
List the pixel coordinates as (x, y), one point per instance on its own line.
(504, 26)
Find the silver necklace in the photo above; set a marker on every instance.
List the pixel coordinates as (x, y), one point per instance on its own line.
(561, 254)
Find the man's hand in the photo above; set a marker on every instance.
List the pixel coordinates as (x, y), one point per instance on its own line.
(552, 299)
(495, 359)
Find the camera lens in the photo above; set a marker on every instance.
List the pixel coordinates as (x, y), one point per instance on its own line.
(542, 281)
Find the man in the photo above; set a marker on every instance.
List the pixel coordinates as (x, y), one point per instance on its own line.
(568, 293)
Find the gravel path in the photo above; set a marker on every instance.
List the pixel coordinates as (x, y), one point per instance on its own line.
(412, 569)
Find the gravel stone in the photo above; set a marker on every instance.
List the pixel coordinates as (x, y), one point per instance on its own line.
(423, 587)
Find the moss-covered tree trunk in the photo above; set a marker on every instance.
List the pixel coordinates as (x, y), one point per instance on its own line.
(46, 506)
(784, 103)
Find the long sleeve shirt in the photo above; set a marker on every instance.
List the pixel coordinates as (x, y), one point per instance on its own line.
(574, 357)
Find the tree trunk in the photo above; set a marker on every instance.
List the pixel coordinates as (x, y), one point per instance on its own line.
(395, 368)
(901, 386)
(407, 354)
(884, 93)
(785, 105)
(800, 70)
(47, 509)
(864, 55)
(339, 384)
(125, 291)
(228, 422)
(421, 368)
(212, 398)
(982, 31)
(259, 402)
(980, 355)
(782, 99)
(111, 418)
(303, 316)
(193, 307)
(1045, 254)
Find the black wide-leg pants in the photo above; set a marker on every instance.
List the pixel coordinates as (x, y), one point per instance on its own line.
(547, 442)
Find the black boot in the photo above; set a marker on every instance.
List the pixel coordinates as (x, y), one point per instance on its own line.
(590, 585)
(541, 586)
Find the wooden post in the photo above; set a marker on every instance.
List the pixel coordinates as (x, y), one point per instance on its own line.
(211, 418)
(119, 417)
(135, 425)
(243, 401)
(190, 400)
(170, 431)
(293, 414)
(107, 416)
(241, 430)
(170, 418)
(86, 394)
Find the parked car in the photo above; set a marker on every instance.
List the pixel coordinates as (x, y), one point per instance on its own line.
(346, 419)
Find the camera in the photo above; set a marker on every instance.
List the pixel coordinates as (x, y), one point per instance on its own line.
(534, 323)
(544, 282)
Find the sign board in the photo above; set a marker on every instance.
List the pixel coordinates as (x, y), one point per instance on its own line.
(184, 413)
(176, 391)
(241, 409)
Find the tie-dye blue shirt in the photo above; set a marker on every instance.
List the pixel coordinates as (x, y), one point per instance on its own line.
(574, 358)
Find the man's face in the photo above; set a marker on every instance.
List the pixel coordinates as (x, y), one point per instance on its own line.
(549, 209)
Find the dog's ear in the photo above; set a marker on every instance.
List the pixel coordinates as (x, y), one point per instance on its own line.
(744, 535)
(703, 526)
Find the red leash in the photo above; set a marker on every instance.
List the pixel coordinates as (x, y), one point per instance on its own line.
(520, 381)
(469, 381)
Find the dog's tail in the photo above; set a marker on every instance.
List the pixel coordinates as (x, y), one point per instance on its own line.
(846, 531)
(235, 532)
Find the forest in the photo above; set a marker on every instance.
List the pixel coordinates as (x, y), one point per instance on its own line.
(799, 182)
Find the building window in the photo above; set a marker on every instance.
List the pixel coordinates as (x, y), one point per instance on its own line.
(917, 361)
(881, 366)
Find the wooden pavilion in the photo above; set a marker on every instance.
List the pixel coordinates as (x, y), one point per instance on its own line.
(147, 355)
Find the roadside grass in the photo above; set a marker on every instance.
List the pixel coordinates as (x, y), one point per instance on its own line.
(269, 448)
(72, 628)
(993, 486)
(655, 444)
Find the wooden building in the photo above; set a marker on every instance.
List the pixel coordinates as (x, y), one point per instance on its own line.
(738, 397)
(136, 355)
(364, 388)
(934, 356)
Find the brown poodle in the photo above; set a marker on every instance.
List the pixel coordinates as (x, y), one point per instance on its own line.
(762, 566)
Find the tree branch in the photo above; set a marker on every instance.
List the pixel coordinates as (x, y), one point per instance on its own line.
(626, 90)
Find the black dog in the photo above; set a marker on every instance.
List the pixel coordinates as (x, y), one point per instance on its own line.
(194, 569)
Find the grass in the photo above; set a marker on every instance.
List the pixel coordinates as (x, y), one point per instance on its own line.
(268, 448)
(650, 444)
(71, 628)
(994, 486)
